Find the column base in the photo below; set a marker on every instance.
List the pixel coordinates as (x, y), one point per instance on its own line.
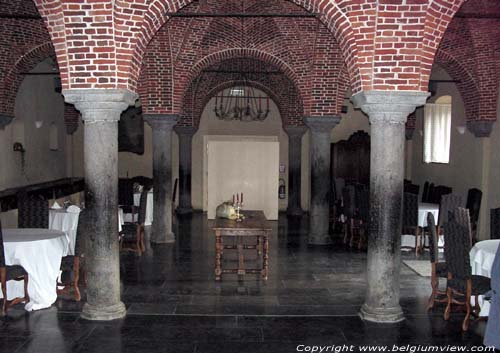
(103, 312)
(381, 315)
(164, 239)
(184, 210)
(294, 212)
(316, 239)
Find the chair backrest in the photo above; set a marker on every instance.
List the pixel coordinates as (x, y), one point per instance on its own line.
(448, 203)
(474, 197)
(33, 211)
(425, 193)
(495, 223)
(2, 253)
(457, 248)
(410, 210)
(143, 202)
(412, 188)
(125, 192)
(349, 196)
(433, 238)
(461, 215)
(339, 186)
(430, 194)
(84, 227)
(439, 192)
(363, 204)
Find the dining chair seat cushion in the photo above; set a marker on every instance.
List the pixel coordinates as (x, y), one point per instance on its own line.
(14, 272)
(480, 284)
(441, 269)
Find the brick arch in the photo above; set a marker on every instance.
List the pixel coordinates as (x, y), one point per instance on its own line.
(329, 14)
(438, 17)
(13, 78)
(467, 86)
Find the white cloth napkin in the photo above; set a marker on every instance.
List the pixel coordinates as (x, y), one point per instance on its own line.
(56, 206)
(73, 209)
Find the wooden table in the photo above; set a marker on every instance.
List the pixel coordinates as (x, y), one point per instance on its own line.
(255, 225)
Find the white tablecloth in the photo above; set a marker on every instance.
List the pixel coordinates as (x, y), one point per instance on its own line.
(423, 209)
(482, 256)
(149, 209)
(66, 222)
(39, 251)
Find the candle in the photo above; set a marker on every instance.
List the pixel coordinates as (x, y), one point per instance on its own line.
(241, 197)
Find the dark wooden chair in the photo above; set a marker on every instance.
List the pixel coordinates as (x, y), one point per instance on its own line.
(359, 234)
(473, 204)
(449, 202)
(8, 273)
(33, 211)
(495, 223)
(126, 197)
(439, 269)
(349, 211)
(461, 284)
(133, 233)
(410, 220)
(425, 193)
(412, 188)
(71, 265)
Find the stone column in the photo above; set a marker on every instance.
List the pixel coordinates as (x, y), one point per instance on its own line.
(101, 109)
(185, 134)
(320, 128)
(295, 134)
(388, 112)
(162, 125)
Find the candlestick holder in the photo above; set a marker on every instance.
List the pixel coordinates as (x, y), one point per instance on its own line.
(238, 206)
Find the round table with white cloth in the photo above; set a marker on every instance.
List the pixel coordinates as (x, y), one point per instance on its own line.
(482, 256)
(39, 252)
(66, 221)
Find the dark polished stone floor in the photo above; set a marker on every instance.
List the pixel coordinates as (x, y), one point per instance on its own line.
(312, 298)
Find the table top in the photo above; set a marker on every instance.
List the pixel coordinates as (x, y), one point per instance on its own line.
(30, 234)
(428, 206)
(487, 246)
(254, 220)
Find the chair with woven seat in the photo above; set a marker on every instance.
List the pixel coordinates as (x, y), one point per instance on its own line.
(439, 269)
(72, 264)
(410, 221)
(8, 273)
(461, 285)
(133, 233)
(33, 211)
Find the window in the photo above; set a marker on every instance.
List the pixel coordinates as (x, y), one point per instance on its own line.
(437, 129)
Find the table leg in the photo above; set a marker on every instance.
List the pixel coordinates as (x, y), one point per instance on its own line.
(241, 259)
(218, 256)
(266, 257)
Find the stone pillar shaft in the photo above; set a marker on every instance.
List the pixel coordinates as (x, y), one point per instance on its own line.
(295, 134)
(320, 129)
(101, 111)
(185, 166)
(388, 112)
(162, 126)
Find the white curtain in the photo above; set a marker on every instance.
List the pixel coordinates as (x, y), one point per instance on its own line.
(437, 128)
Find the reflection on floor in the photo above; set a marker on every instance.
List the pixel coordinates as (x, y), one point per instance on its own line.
(312, 297)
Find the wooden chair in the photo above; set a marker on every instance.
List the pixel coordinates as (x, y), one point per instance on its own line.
(495, 223)
(72, 264)
(126, 197)
(473, 204)
(33, 211)
(133, 233)
(410, 220)
(362, 217)
(8, 273)
(425, 193)
(439, 269)
(462, 285)
(449, 202)
(349, 211)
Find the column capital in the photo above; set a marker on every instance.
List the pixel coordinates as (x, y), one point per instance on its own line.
(5, 120)
(161, 121)
(392, 107)
(185, 130)
(321, 123)
(100, 105)
(480, 128)
(295, 131)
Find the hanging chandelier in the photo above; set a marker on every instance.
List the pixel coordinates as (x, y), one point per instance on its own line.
(241, 103)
